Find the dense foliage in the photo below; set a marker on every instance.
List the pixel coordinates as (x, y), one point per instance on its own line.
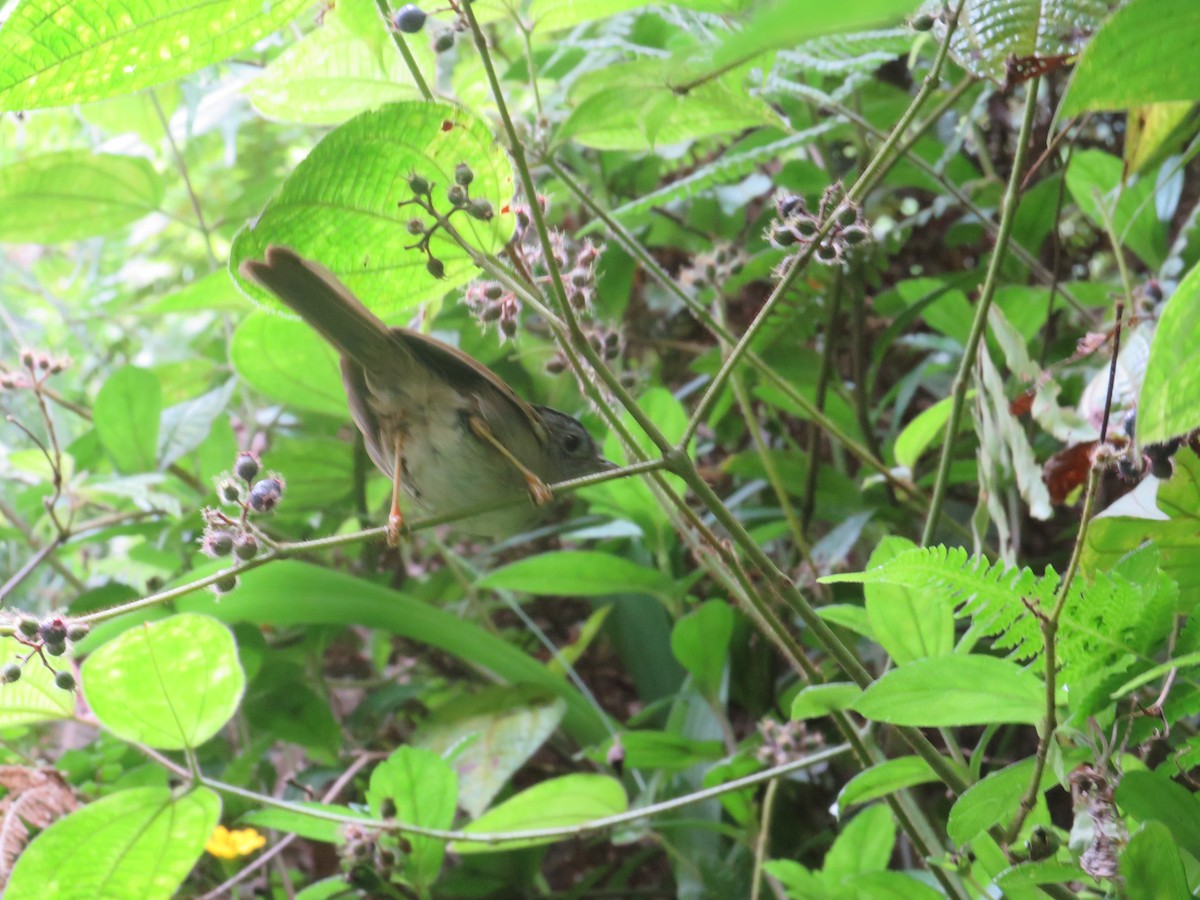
(888, 316)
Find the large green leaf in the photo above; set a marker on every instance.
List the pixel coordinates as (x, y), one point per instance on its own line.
(989, 801)
(955, 690)
(632, 106)
(74, 194)
(293, 593)
(169, 684)
(1144, 54)
(489, 736)
(700, 641)
(1151, 866)
(416, 787)
(136, 843)
(885, 778)
(992, 34)
(343, 204)
(35, 697)
(1096, 182)
(127, 414)
(558, 803)
(59, 52)
(1169, 405)
(910, 623)
(582, 573)
(288, 362)
(341, 69)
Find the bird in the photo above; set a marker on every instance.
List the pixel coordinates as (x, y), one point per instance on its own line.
(438, 423)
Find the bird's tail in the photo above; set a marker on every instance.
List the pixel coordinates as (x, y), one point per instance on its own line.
(314, 293)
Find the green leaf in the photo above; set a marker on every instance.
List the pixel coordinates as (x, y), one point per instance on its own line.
(1140, 56)
(955, 690)
(865, 845)
(127, 413)
(1154, 798)
(320, 471)
(339, 70)
(788, 22)
(170, 684)
(35, 697)
(341, 205)
(562, 802)
(630, 106)
(185, 425)
(700, 641)
(74, 194)
(578, 573)
(136, 843)
(991, 800)
(923, 432)
(1151, 866)
(910, 623)
(59, 52)
(489, 735)
(821, 699)
(293, 593)
(885, 778)
(1096, 183)
(1169, 403)
(552, 15)
(662, 750)
(422, 790)
(848, 616)
(991, 31)
(289, 363)
(1028, 875)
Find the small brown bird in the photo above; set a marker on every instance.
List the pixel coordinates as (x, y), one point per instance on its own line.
(433, 419)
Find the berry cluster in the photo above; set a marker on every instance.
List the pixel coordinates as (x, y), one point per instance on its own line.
(493, 302)
(460, 199)
(410, 19)
(38, 367)
(235, 536)
(794, 228)
(783, 742)
(47, 637)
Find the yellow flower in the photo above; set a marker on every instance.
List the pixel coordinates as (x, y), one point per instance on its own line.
(226, 844)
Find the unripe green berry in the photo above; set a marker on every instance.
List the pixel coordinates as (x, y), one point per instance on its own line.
(218, 542)
(456, 194)
(77, 631)
(416, 226)
(225, 584)
(28, 626)
(65, 680)
(418, 185)
(435, 267)
(922, 22)
(229, 491)
(10, 673)
(463, 174)
(443, 42)
(55, 648)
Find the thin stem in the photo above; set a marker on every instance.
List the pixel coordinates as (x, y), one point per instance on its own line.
(962, 379)
(823, 376)
(764, 831)
(402, 45)
(492, 838)
(187, 181)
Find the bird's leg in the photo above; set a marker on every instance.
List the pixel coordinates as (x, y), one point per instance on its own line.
(395, 517)
(538, 492)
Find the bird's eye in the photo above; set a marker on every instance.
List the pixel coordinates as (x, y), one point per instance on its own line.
(571, 442)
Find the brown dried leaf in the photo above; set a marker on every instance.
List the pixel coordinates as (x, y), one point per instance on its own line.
(35, 799)
(1067, 469)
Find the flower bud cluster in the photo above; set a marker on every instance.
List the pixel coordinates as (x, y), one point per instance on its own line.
(49, 636)
(38, 366)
